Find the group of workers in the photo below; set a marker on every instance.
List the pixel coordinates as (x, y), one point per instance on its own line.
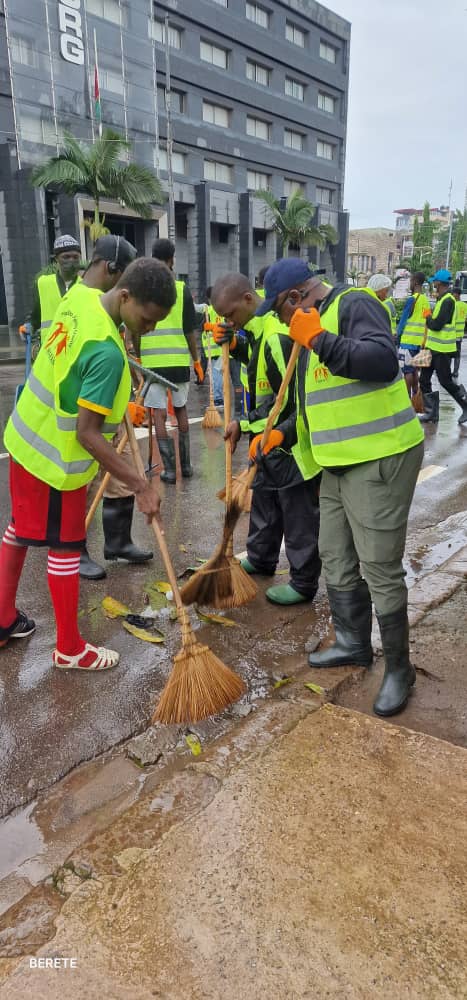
(334, 482)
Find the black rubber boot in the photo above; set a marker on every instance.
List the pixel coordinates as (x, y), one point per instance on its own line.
(351, 616)
(461, 398)
(399, 675)
(167, 450)
(184, 451)
(117, 515)
(431, 404)
(90, 570)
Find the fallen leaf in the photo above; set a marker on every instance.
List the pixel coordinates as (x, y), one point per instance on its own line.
(173, 615)
(161, 586)
(183, 548)
(215, 619)
(156, 600)
(193, 743)
(201, 561)
(187, 572)
(113, 608)
(282, 572)
(283, 680)
(314, 687)
(142, 633)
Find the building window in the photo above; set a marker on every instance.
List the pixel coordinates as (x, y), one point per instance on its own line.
(178, 162)
(293, 140)
(216, 115)
(257, 181)
(177, 99)
(257, 14)
(213, 54)
(291, 187)
(324, 150)
(257, 73)
(23, 51)
(222, 3)
(294, 34)
(327, 52)
(326, 102)
(220, 172)
(294, 89)
(157, 32)
(39, 130)
(324, 196)
(109, 10)
(258, 128)
(111, 81)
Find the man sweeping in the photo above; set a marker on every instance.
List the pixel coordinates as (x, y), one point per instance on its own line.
(59, 432)
(285, 490)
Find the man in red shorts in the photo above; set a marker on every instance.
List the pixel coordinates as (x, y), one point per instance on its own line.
(59, 432)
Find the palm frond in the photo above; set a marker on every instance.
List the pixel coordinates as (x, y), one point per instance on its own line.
(62, 172)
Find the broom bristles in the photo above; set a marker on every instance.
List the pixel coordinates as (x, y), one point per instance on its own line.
(200, 685)
(212, 418)
(213, 583)
(239, 495)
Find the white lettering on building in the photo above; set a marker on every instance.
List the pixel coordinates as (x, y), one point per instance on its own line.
(71, 32)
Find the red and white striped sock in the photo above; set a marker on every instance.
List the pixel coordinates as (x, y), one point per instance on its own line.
(12, 556)
(63, 578)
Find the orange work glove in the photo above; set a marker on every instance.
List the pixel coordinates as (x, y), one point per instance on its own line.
(426, 313)
(137, 414)
(199, 370)
(275, 440)
(305, 325)
(222, 334)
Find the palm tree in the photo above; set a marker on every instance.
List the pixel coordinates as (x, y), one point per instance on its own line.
(96, 171)
(294, 223)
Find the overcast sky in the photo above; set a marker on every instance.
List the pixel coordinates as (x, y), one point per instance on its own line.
(407, 123)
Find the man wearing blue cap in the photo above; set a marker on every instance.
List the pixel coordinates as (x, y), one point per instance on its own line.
(442, 343)
(353, 406)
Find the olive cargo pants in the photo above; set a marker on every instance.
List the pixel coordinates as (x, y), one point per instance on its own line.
(364, 514)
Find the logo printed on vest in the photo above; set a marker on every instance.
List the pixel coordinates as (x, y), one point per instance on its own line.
(60, 345)
(321, 373)
(263, 384)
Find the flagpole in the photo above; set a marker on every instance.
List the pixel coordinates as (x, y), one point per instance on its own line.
(97, 96)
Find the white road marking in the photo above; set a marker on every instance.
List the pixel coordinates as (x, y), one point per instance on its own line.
(4, 455)
(429, 471)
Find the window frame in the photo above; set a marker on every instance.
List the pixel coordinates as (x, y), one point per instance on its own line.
(295, 83)
(293, 133)
(257, 173)
(295, 28)
(259, 121)
(330, 191)
(216, 164)
(258, 9)
(213, 47)
(327, 97)
(120, 12)
(323, 143)
(216, 108)
(175, 153)
(323, 44)
(258, 66)
(298, 186)
(175, 32)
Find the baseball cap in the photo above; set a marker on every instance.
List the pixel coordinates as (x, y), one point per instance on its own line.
(445, 277)
(115, 249)
(282, 275)
(63, 243)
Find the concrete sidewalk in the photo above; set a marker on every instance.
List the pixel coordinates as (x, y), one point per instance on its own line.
(322, 855)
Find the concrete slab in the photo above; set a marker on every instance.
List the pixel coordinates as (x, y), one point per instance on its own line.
(330, 863)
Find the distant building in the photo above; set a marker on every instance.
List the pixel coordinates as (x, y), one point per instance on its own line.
(372, 250)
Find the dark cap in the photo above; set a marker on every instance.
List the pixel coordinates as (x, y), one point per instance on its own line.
(64, 243)
(282, 275)
(116, 249)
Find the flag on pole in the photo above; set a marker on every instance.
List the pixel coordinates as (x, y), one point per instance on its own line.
(97, 92)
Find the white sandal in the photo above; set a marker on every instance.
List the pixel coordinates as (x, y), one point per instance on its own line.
(104, 659)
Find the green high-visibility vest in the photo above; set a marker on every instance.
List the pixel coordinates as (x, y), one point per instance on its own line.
(49, 298)
(254, 326)
(207, 337)
(391, 311)
(443, 341)
(40, 434)
(301, 450)
(351, 421)
(166, 346)
(415, 327)
(460, 318)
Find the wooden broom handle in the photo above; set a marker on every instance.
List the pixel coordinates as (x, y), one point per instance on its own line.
(211, 387)
(227, 409)
(160, 537)
(275, 411)
(104, 484)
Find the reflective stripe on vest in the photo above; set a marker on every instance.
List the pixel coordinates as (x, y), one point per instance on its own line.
(49, 298)
(207, 337)
(166, 346)
(443, 341)
(351, 421)
(460, 318)
(415, 327)
(40, 434)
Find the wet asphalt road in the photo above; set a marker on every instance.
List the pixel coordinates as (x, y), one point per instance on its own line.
(50, 722)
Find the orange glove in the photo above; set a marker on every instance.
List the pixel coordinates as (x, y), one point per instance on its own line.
(137, 414)
(222, 334)
(199, 370)
(275, 440)
(305, 325)
(426, 313)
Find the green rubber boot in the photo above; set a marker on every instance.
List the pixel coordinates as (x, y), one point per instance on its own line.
(285, 594)
(251, 569)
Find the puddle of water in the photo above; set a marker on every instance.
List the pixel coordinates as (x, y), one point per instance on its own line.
(20, 840)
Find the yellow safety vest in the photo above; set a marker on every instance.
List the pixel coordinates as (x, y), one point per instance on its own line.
(207, 337)
(443, 341)
(351, 421)
(460, 318)
(40, 434)
(391, 311)
(254, 326)
(167, 346)
(415, 327)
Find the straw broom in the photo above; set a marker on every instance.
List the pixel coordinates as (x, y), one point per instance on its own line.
(222, 582)
(200, 684)
(212, 419)
(238, 491)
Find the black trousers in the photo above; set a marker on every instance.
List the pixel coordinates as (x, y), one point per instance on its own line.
(457, 359)
(441, 364)
(292, 514)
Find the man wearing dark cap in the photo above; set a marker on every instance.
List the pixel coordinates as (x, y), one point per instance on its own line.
(51, 287)
(441, 341)
(354, 409)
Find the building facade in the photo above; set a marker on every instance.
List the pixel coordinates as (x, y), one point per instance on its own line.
(372, 250)
(258, 100)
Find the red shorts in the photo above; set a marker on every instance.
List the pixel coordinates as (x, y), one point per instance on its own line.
(45, 516)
